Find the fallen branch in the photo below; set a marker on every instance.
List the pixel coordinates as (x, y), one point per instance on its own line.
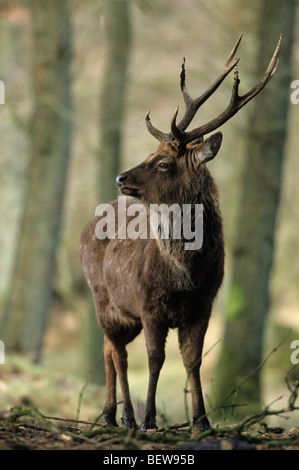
(18, 412)
(244, 426)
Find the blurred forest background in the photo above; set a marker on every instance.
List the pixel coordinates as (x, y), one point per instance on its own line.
(79, 78)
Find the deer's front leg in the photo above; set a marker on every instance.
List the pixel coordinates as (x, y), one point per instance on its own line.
(155, 336)
(191, 345)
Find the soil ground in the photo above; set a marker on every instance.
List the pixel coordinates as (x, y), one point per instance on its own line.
(23, 429)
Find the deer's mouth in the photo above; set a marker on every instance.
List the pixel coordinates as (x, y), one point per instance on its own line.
(130, 191)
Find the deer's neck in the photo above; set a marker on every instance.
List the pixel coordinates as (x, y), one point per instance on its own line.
(191, 227)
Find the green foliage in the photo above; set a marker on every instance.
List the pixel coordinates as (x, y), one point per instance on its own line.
(236, 304)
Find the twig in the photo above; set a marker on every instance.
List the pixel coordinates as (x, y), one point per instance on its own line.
(293, 390)
(18, 412)
(85, 386)
(257, 369)
(256, 418)
(69, 420)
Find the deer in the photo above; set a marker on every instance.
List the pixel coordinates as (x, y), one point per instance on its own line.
(152, 283)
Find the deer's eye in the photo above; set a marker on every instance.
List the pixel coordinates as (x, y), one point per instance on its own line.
(163, 165)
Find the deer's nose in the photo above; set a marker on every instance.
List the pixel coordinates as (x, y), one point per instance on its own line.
(121, 179)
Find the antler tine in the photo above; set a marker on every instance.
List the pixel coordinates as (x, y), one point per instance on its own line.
(161, 136)
(192, 105)
(236, 102)
(272, 67)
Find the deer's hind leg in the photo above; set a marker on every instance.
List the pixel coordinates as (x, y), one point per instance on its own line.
(116, 364)
(110, 404)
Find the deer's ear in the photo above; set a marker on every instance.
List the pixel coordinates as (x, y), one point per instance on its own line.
(208, 149)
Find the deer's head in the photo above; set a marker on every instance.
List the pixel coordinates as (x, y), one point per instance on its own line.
(173, 169)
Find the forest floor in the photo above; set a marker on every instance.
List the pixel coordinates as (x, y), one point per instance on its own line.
(46, 407)
(24, 428)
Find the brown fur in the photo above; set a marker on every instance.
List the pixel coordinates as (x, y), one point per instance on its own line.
(154, 284)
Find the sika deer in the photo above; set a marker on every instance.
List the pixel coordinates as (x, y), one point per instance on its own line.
(155, 283)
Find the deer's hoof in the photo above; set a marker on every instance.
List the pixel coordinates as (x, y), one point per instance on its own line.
(109, 421)
(128, 421)
(147, 425)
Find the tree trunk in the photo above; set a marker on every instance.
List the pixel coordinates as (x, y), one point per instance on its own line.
(14, 55)
(30, 297)
(253, 250)
(118, 35)
(112, 109)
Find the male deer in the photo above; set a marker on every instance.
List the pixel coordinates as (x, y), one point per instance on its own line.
(154, 283)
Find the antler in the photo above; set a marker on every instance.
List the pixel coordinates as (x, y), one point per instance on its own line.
(192, 105)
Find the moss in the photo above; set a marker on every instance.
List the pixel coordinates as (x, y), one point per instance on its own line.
(236, 302)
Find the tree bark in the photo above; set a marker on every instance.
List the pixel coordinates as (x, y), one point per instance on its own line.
(254, 245)
(30, 296)
(14, 55)
(112, 111)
